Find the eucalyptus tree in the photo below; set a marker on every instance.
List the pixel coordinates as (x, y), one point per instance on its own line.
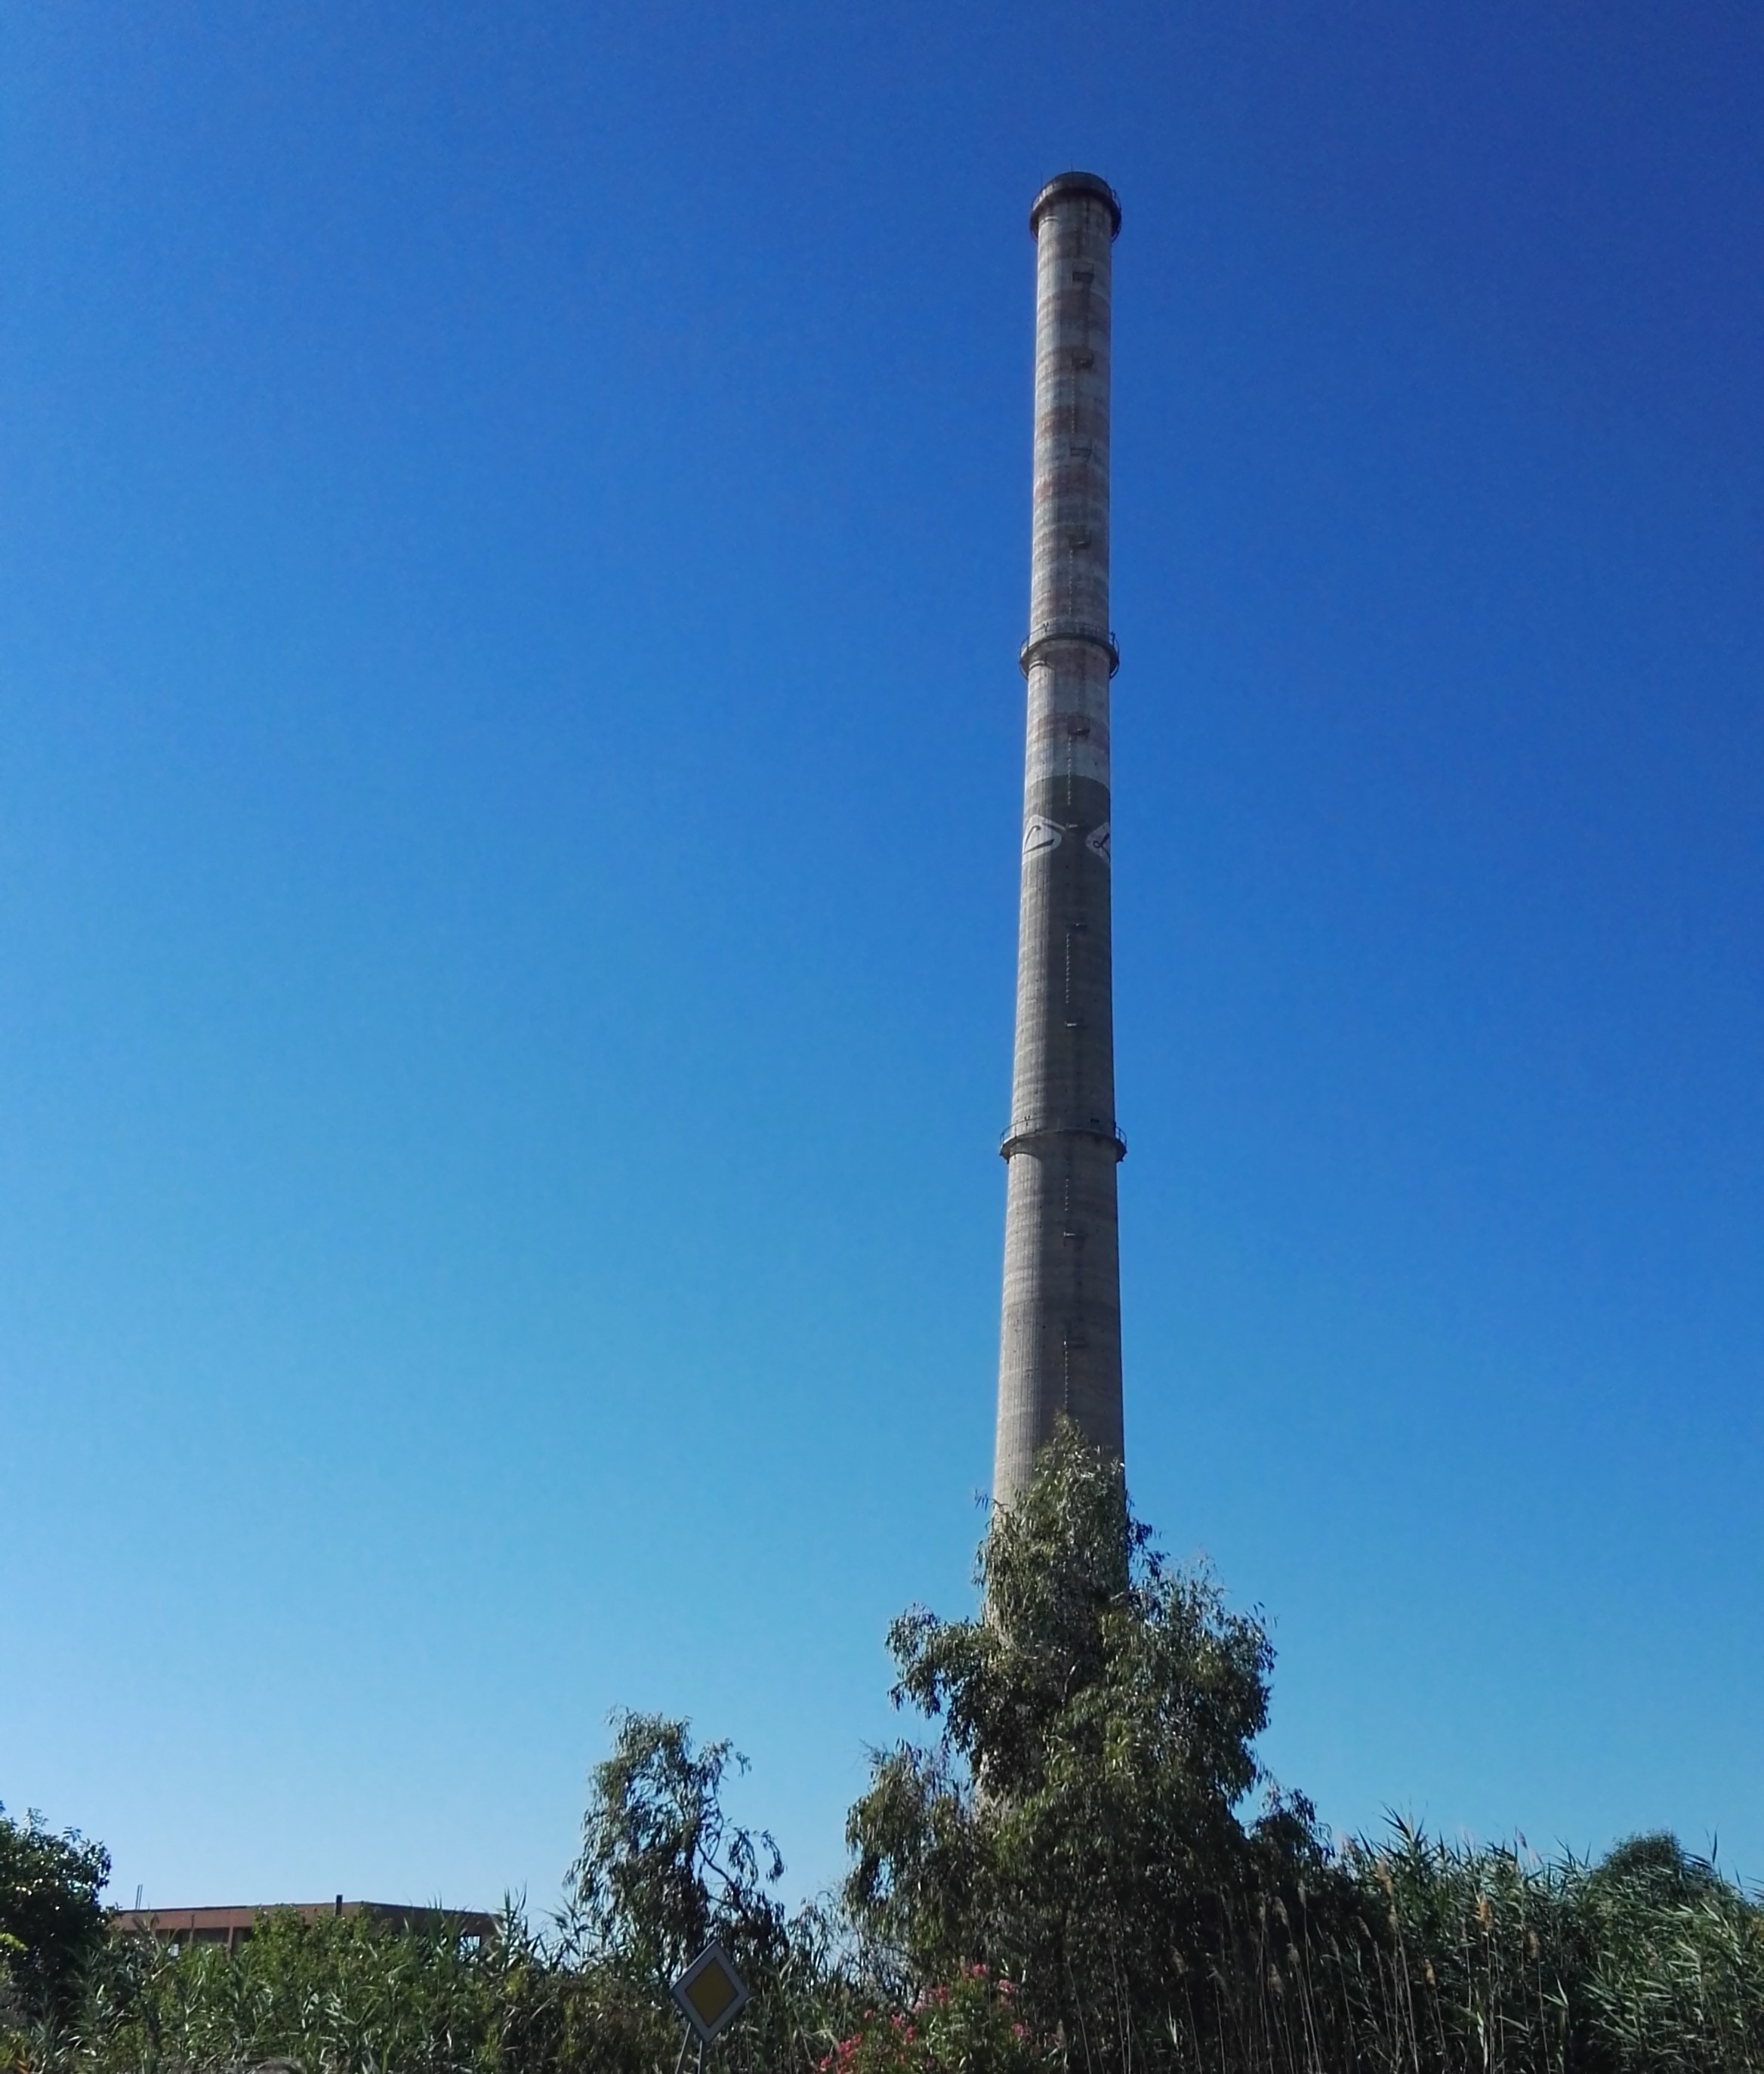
(1077, 1818)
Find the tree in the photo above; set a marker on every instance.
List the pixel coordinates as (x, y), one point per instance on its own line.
(1075, 1823)
(51, 1921)
(663, 1869)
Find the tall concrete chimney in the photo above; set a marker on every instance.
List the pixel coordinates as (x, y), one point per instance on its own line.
(1060, 1341)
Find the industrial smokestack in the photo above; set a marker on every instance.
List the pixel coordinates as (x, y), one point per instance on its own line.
(1059, 1346)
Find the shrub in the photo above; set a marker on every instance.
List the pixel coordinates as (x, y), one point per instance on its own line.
(969, 2025)
(51, 1920)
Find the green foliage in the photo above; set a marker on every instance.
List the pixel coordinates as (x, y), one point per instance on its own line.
(342, 1992)
(1064, 1878)
(1432, 1955)
(1672, 1951)
(972, 2026)
(51, 1920)
(1075, 1826)
(663, 1870)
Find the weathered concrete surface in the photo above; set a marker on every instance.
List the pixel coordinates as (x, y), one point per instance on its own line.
(1060, 1340)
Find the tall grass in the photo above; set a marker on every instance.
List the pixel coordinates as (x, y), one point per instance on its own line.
(340, 1992)
(1425, 1955)
(1412, 1956)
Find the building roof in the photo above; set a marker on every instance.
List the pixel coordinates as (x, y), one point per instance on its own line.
(227, 1925)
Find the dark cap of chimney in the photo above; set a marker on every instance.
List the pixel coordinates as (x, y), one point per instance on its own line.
(1075, 182)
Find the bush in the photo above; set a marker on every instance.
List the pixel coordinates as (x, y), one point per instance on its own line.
(51, 1920)
(970, 2026)
(340, 1992)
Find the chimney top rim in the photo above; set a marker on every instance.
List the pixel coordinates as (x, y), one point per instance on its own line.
(1075, 182)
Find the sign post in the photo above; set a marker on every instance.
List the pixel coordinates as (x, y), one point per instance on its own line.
(710, 1994)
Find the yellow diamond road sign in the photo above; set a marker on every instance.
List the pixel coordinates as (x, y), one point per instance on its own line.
(710, 1993)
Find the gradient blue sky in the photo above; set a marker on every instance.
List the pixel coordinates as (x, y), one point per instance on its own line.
(513, 543)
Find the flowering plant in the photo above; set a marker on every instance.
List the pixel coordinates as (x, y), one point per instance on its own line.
(967, 2026)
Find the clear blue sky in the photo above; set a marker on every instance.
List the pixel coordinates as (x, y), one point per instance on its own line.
(513, 544)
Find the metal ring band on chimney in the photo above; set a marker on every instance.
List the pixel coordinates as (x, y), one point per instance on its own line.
(1046, 631)
(1033, 1133)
